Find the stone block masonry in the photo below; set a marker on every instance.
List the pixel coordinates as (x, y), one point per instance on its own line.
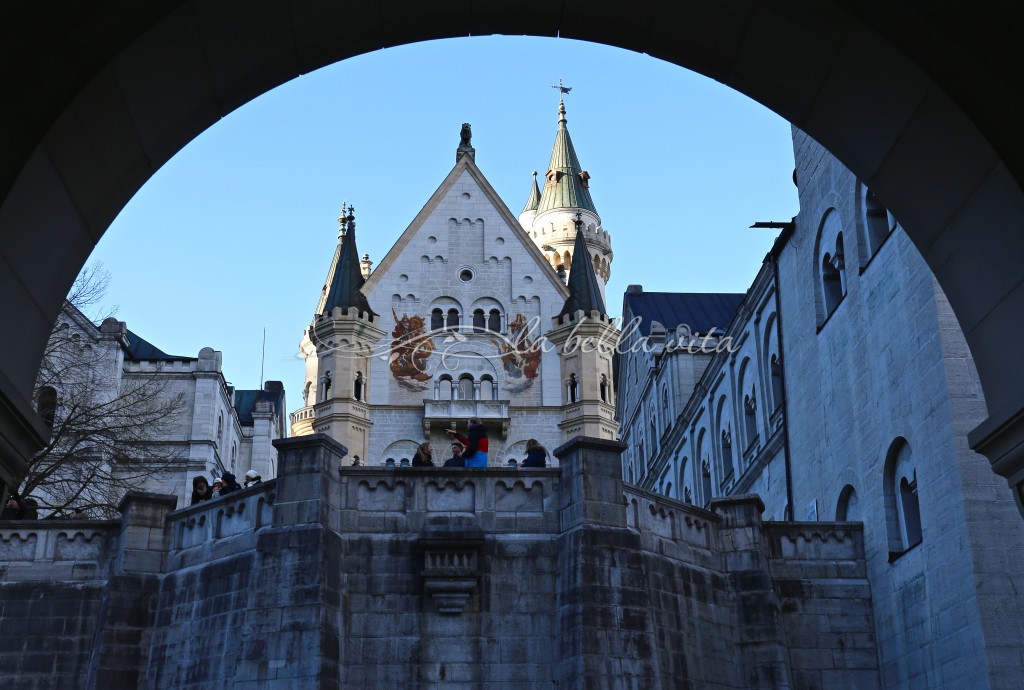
(335, 576)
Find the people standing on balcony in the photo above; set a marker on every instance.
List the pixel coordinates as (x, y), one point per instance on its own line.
(456, 460)
(201, 490)
(14, 510)
(424, 456)
(230, 484)
(475, 442)
(252, 477)
(536, 454)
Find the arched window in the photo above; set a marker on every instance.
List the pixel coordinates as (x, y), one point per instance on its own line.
(479, 320)
(878, 224)
(776, 374)
(831, 265)
(220, 428)
(832, 283)
(466, 387)
(668, 489)
(654, 437)
(325, 385)
(727, 464)
(705, 482)
(847, 508)
(572, 388)
(445, 390)
(305, 393)
(604, 388)
(358, 385)
(46, 403)
(750, 417)
(453, 319)
(487, 391)
(494, 321)
(902, 508)
(911, 510)
(436, 320)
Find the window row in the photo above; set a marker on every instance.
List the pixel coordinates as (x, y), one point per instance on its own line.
(451, 320)
(465, 388)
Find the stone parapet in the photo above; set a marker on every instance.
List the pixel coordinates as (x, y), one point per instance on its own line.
(57, 550)
(220, 527)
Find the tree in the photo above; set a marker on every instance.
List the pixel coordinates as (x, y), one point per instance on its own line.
(111, 429)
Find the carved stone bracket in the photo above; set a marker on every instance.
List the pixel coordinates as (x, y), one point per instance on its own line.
(451, 572)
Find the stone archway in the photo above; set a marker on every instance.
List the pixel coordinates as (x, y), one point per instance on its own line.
(920, 101)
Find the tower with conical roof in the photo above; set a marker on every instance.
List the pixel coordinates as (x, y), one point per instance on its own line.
(337, 347)
(550, 215)
(585, 338)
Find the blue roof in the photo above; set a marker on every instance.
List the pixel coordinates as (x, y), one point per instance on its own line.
(140, 349)
(245, 402)
(701, 311)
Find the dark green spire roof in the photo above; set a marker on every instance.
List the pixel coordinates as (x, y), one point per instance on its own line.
(343, 290)
(584, 290)
(566, 184)
(534, 200)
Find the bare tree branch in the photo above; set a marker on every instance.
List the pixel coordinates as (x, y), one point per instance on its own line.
(110, 427)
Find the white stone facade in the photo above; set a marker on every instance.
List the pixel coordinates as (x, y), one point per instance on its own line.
(479, 295)
(206, 436)
(880, 391)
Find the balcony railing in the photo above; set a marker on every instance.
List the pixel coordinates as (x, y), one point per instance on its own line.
(441, 413)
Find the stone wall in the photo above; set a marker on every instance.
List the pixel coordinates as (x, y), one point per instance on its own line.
(358, 577)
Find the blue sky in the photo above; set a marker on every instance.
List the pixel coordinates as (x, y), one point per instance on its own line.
(236, 232)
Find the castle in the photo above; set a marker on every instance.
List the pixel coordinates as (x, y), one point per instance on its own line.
(454, 320)
(872, 556)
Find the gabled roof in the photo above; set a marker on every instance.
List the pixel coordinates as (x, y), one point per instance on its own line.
(566, 183)
(465, 164)
(534, 200)
(139, 349)
(346, 277)
(701, 311)
(584, 290)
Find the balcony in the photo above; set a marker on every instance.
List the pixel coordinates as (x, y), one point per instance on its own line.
(441, 414)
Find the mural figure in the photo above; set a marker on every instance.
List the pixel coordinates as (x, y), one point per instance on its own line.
(519, 356)
(410, 352)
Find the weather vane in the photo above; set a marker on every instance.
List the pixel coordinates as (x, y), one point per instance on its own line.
(562, 90)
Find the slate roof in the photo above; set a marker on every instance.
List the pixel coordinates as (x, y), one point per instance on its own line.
(563, 186)
(245, 403)
(699, 310)
(584, 290)
(534, 200)
(139, 349)
(346, 275)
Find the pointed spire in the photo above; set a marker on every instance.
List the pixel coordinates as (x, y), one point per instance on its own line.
(347, 276)
(534, 200)
(566, 184)
(584, 290)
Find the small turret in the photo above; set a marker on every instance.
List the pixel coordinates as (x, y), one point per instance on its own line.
(584, 288)
(529, 211)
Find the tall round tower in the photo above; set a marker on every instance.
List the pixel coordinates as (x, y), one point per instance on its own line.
(550, 215)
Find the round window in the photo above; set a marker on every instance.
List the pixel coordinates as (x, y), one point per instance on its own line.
(466, 275)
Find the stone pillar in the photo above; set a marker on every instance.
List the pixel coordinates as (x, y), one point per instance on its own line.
(126, 617)
(144, 538)
(760, 637)
(591, 490)
(605, 632)
(307, 469)
(291, 632)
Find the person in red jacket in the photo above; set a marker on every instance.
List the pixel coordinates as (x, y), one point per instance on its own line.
(475, 442)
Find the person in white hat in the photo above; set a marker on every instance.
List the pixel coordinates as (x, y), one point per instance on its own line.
(252, 477)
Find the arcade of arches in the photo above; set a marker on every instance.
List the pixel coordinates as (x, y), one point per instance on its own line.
(920, 100)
